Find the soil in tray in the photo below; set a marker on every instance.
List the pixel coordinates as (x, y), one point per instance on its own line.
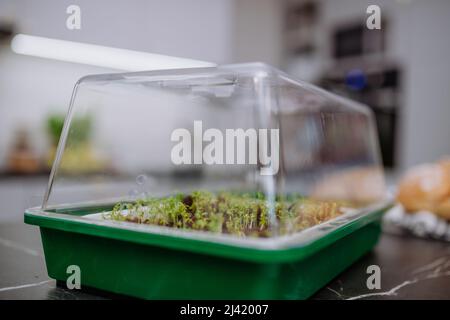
(231, 213)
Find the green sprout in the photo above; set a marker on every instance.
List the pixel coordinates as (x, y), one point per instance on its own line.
(241, 214)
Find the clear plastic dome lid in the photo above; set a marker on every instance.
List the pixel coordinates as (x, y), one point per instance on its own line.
(239, 149)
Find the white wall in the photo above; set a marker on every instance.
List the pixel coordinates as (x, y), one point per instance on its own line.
(426, 129)
(257, 30)
(190, 28)
(30, 88)
(220, 31)
(225, 31)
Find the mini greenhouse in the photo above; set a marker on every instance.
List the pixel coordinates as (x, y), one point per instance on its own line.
(236, 181)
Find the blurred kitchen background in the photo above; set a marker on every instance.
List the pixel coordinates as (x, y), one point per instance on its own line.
(401, 71)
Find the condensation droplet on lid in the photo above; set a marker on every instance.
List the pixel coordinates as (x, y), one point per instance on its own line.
(140, 179)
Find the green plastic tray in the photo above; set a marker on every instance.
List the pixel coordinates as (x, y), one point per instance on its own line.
(156, 263)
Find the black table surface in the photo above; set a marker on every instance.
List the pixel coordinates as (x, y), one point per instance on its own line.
(411, 268)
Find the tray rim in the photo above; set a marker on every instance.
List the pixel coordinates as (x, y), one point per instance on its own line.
(277, 249)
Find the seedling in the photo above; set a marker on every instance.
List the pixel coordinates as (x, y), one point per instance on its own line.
(241, 214)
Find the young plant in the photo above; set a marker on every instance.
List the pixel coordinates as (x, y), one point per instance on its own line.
(241, 214)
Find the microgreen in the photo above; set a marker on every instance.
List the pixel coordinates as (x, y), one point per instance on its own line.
(241, 214)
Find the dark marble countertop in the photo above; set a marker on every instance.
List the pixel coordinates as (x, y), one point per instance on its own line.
(411, 268)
